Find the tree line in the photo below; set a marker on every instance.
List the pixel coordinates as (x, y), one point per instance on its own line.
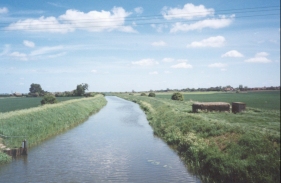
(36, 90)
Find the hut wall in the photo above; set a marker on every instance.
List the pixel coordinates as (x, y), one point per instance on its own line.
(238, 107)
(219, 106)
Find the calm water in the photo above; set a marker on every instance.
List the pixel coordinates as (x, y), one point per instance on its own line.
(114, 145)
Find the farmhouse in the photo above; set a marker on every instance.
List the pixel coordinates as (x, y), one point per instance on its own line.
(17, 94)
(211, 106)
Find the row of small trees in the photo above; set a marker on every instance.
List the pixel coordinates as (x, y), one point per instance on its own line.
(36, 90)
(175, 96)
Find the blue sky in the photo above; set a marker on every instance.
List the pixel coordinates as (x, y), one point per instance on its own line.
(130, 45)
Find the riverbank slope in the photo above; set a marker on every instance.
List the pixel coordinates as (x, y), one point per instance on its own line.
(218, 147)
(39, 123)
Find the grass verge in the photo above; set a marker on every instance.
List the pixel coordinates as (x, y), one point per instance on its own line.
(37, 124)
(218, 147)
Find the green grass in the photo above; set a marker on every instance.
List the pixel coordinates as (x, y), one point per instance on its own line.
(39, 123)
(219, 146)
(262, 100)
(17, 103)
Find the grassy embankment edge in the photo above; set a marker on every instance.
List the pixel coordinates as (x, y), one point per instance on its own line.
(215, 150)
(40, 123)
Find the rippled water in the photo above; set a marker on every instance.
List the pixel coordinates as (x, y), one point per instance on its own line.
(114, 145)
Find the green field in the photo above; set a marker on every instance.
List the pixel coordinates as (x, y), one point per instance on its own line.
(262, 100)
(220, 146)
(17, 103)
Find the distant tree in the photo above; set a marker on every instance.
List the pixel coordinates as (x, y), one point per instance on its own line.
(36, 88)
(80, 89)
(49, 99)
(177, 96)
(142, 94)
(151, 94)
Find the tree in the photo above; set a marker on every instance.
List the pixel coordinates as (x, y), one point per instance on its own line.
(80, 89)
(49, 99)
(36, 88)
(177, 96)
(151, 94)
(142, 94)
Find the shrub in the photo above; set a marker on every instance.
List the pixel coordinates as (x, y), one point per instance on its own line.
(177, 96)
(151, 94)
(49, 99)
(142, 94)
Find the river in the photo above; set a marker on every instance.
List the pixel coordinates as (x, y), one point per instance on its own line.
(115, 145)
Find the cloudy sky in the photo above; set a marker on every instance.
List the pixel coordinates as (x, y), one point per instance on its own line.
(130, 45)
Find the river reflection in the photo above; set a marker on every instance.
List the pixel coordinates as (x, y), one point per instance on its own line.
(114, 145)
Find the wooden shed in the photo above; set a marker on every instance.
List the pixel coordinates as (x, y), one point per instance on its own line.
(211, 106)
(238, 107)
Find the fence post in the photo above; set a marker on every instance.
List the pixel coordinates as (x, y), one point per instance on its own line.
(24, 144)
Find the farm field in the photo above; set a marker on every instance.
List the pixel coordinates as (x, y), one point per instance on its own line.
(220, 146)
(262, 100)
(17, 103)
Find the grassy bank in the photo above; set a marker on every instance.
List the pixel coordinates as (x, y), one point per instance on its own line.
(219, 147)
(39, 123)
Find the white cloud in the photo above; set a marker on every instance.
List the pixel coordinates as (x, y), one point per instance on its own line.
(182, 65)
(45, 50)
(189, 11)
(48, 24)
(232, 53)
(159, 27)
(168, 60)
(6, 50)
(20, 56)
(209, 23)
(259, 58)
(94, 21)
(153, 73)
(139, 10)
(218, 65)
(145, 62)
(94, 71)
(261, 54)
(28, 43)
(4, 10)
(159, 43)
(57, 55)
(217, 41)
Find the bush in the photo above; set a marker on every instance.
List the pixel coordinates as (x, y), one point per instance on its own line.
(177, 96)
(49, 99)
(151, 94)
(142, 94)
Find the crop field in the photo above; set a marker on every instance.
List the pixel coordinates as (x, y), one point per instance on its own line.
(262, 100)
(220, 146)
(17, 103)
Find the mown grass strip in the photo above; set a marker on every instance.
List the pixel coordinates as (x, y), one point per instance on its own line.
(37, 124)
(218, 147)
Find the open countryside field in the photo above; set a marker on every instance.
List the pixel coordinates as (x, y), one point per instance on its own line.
(220, 146)
(17, 103)
(262, 100)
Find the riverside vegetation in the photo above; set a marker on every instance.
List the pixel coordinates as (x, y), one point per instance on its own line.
(218, 146)
(39, 123)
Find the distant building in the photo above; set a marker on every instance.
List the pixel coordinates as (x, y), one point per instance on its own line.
(17, 94)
